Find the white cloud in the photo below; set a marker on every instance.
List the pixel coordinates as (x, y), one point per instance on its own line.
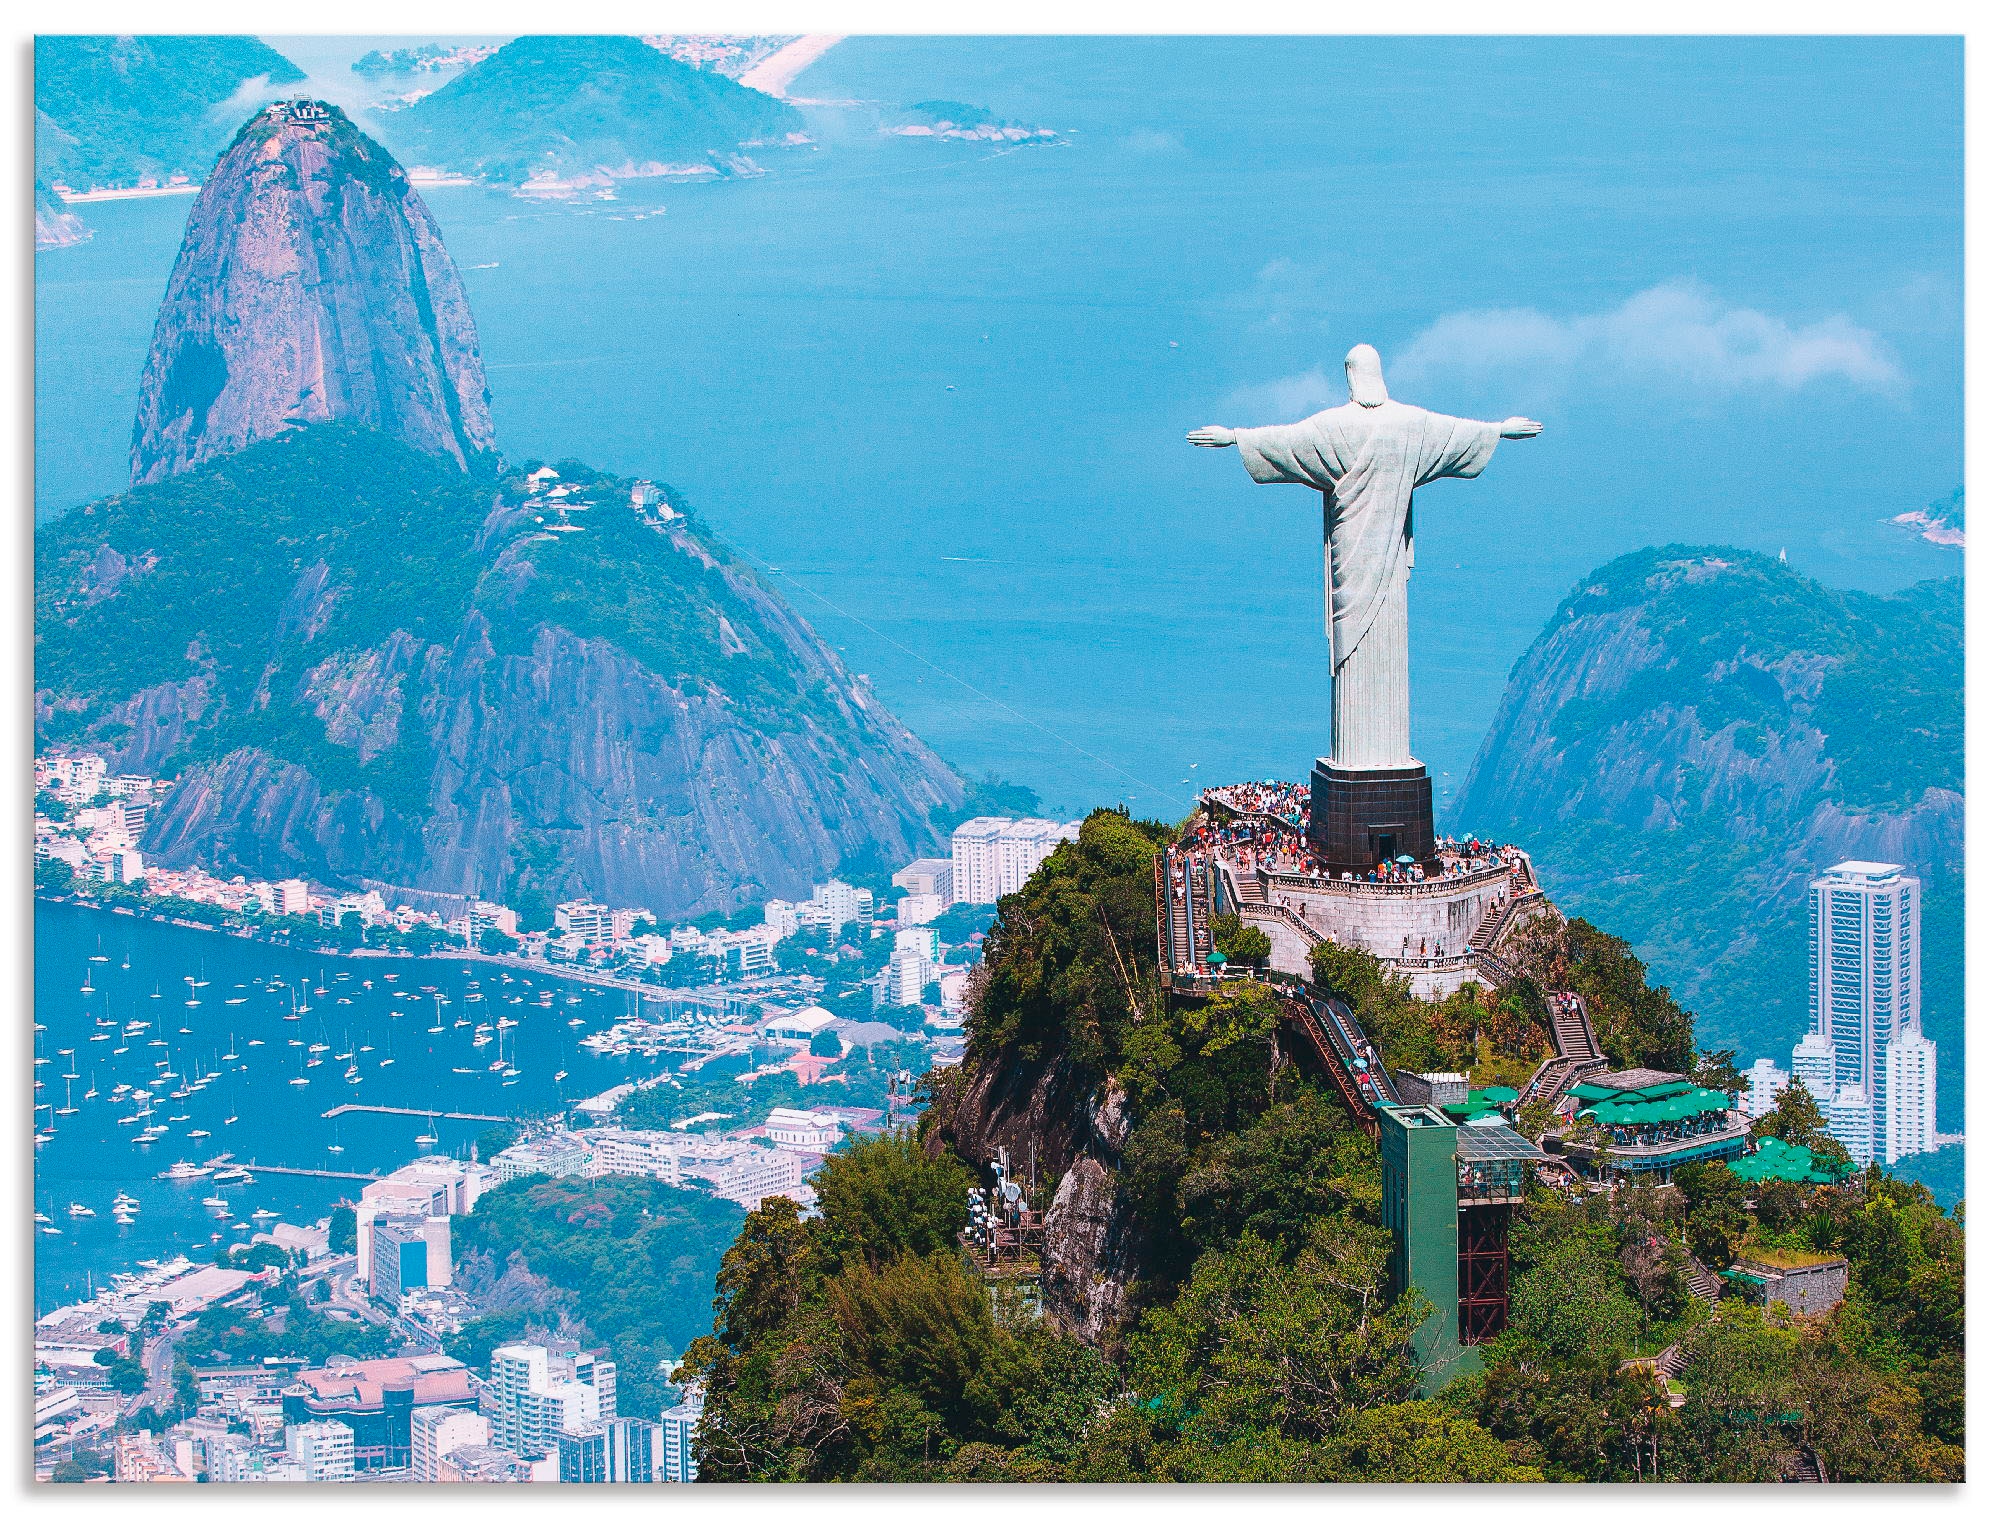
(247, 96)
(1150, 142)
(1673, 334)
(1287, 399)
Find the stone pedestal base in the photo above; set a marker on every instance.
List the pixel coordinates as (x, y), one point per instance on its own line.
(1362, 816)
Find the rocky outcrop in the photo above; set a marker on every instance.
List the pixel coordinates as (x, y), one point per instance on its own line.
(312, 285)
(56, 225)
(1073, 1132)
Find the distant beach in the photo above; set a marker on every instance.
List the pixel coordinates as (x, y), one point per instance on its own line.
(775, 74)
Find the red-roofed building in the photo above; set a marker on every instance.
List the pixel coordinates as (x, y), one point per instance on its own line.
(375, 1398)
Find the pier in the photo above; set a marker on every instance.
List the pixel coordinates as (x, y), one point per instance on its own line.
(311, 1174)
(416, 1111)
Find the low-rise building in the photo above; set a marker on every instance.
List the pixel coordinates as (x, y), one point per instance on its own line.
(376, 1398)
(437, 1432)
(553, 1154)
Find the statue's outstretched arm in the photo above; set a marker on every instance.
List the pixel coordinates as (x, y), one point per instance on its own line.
(1520, 426)
(1212, 437)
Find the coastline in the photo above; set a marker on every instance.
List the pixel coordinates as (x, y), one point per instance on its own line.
(85, 197)
(775, 74)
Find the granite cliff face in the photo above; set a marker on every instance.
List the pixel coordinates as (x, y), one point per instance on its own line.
(1697, 732)
(312, 285)
(1075, 1130)
(366, 666)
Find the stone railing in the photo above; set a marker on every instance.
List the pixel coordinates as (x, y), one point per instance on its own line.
(1442, 885)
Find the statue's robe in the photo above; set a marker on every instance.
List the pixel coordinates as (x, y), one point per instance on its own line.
(1366, 461)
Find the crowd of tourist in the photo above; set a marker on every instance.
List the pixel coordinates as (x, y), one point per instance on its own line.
(1286, 800)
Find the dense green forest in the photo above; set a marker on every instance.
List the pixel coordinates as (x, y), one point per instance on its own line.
(570, 105)
(859, 1344)
(109, 110)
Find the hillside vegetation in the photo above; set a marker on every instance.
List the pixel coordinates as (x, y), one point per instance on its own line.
(372, 620)
(861, 1344)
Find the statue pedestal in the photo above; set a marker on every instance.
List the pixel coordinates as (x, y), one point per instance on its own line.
(1362, 816)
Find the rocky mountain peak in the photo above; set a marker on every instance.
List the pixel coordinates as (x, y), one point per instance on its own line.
(312, 285)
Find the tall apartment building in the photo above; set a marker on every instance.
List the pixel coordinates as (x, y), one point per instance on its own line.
(538, 1395)
(1867, 993)
(587, 918)
(429, 1187)
(993, 856)
(1766, 1080)
(678, 1425)
(1850, 1118)
(323, 1449)
(1909, 1101)
(1812, 1066)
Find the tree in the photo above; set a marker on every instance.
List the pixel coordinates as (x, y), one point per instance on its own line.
(54, 876)
(825, 1044)
(1238, 943)
(1797, 1119)
(1716, 1069)
(1716, 1220)
(340, 1236)
(882, 1197)
(1575, 1301)
(1411, 1441)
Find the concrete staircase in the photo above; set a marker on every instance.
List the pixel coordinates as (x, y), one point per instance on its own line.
(1700, 1282)
(1569, 1026)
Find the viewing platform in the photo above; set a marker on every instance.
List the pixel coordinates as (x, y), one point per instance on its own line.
(1439, 922)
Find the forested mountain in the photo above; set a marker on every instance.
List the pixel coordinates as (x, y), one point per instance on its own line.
(1214, 1296)
(113, 110)
(363, 662)
(1700, 730)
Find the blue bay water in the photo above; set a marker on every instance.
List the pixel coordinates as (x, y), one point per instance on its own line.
(92, 1157)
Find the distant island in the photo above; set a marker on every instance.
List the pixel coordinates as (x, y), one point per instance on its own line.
(956, 120)
(570, 114)
(429, 57)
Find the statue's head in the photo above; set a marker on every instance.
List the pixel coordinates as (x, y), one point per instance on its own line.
(1364, 376)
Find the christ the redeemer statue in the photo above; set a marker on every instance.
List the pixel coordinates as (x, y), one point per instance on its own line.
(1366, 458)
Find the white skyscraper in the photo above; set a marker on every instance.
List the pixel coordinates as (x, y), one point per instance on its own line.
(1909, 1105)
(1867, 984)
(1766, 1080)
